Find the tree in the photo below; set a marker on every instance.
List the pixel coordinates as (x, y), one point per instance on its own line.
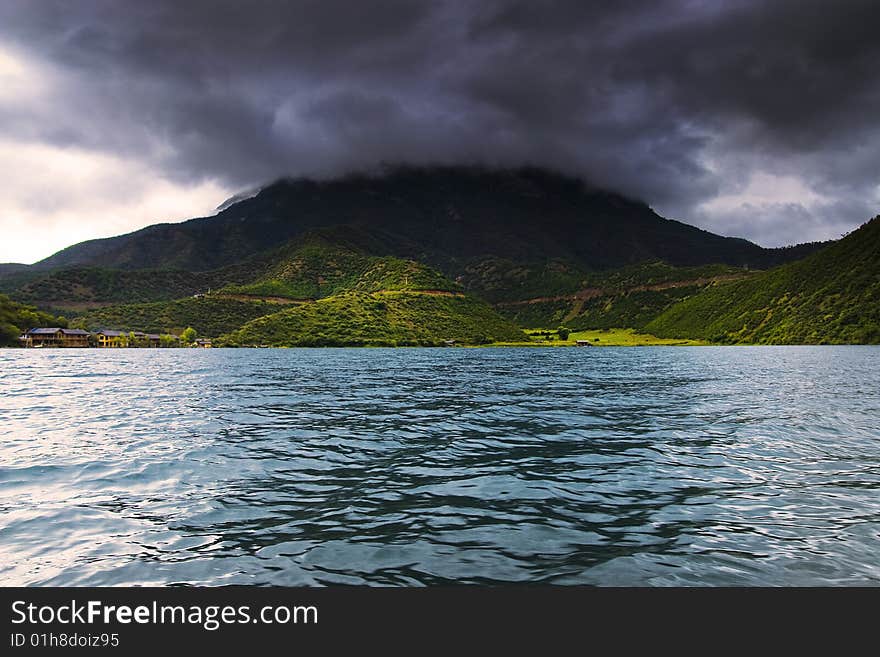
(563, 332)
(189, 335)
(8, 333)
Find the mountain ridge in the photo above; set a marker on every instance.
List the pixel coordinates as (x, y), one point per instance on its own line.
(444, 216)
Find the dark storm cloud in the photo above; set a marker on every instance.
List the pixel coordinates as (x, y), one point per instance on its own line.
(678, 103)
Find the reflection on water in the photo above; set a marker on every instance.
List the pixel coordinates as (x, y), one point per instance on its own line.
(646, 466)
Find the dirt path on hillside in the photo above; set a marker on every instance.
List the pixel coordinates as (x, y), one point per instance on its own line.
(431, 293)
(78, 305)
(254, 297)
(288, 301)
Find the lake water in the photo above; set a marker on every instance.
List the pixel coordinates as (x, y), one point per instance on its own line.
(639, 466)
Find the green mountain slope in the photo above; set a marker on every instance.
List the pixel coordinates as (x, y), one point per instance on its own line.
(309, 267)
(301, 272)
(82, 287)
(627, 297)
(314, 267)
(380, 319)
(15, 318)
(832, 297)
(210, 316)
(631, 309)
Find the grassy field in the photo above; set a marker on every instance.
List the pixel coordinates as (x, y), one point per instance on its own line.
(614, 337)
(626, 337)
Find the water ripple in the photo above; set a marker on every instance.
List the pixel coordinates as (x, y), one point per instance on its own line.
(647, 466)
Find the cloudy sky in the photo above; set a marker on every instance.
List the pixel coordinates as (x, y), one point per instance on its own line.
(751, 119)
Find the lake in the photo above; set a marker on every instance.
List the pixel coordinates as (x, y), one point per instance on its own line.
(605, 466)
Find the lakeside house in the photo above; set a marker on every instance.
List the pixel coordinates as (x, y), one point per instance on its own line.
(108, 338)
(203, 343)
(105, 338)
(55, 337)
(583, 343)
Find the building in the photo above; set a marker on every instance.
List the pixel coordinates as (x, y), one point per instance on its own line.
(203, 343)
(108, 338)
(154, 340)
(55, 337)
(583, 343)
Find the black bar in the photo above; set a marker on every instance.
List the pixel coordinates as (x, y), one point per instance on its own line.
(539, 617)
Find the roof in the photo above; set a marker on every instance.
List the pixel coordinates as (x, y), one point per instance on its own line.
(109, 333)
(74, 332)
(153, 336)
(44, 331)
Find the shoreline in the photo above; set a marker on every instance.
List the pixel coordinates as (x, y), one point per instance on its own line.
(494, 345)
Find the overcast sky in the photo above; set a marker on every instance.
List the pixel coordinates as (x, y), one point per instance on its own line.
(751, 119)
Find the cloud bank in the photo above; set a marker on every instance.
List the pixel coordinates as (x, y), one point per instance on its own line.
(746, 118)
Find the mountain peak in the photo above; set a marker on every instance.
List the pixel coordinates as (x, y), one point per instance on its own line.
(237, 198)
(445, 215)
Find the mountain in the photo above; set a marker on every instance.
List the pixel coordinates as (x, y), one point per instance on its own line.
(451, 218)
(832, 296)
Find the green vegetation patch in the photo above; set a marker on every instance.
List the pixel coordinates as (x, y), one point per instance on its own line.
(209, 316)
(657, 272)
(634, 309)
(630, 296)
(832, 297)
(381, 319)
(498, 279)
(16, 318)
(316, 269)
(80, 287)
(539, 313)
